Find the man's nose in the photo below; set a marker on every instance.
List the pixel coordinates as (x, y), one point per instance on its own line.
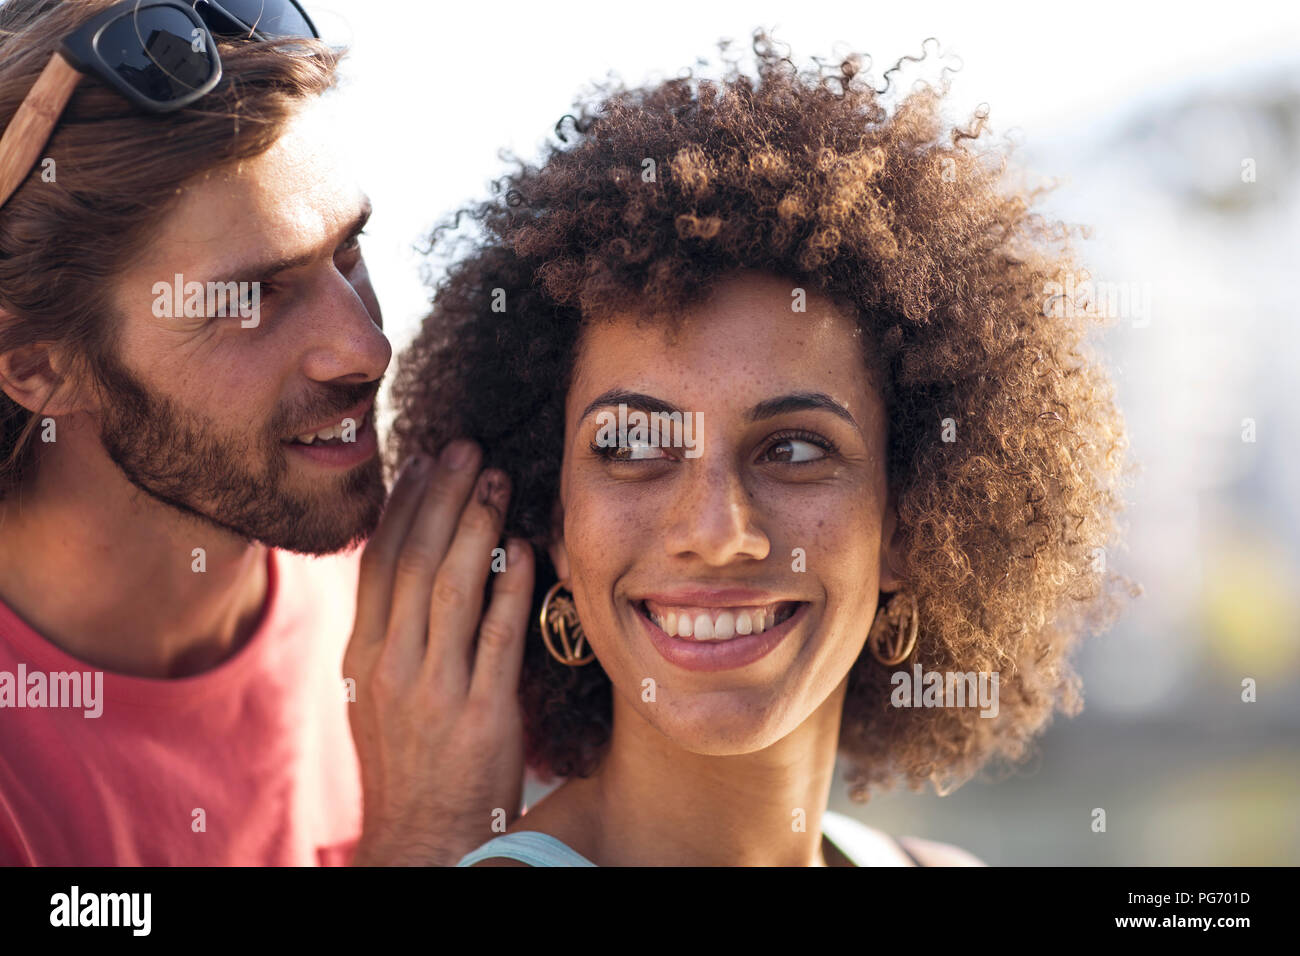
(345, 342)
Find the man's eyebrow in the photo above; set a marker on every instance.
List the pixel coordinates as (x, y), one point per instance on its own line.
(770, 408)
(265, 270)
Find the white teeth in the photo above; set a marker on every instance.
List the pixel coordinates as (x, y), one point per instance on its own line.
(325, 434)
(708, 624)
(725, 626)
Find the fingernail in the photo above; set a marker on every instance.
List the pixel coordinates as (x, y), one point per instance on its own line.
(491, 488)
(457, 454)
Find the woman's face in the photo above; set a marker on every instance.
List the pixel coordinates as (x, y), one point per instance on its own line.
(741, 574)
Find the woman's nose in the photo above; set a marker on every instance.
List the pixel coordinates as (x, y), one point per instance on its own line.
(714, 516)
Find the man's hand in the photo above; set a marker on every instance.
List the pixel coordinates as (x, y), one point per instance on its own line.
(436, 719)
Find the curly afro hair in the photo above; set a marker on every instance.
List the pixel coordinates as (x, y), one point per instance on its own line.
(805, 173)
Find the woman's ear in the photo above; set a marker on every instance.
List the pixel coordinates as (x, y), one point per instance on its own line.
(559, 554)
(891, 548)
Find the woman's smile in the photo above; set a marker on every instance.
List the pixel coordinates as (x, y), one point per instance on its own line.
(716, 623)
(713, 638)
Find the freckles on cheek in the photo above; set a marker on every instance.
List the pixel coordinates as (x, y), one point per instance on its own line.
(605, 529)
(601, 530)
(848, 528)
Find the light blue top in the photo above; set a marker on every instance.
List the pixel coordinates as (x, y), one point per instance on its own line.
(855, 840)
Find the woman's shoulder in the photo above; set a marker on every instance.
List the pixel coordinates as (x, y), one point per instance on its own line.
(867, 846)
(525, 848)
(860, 844)
(934, 853)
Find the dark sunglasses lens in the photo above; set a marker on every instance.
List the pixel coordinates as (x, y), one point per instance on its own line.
(152, 49)
(270, 18)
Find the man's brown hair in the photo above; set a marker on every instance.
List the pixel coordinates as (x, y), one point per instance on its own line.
(116, 172)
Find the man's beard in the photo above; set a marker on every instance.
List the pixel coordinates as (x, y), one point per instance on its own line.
(237, 483)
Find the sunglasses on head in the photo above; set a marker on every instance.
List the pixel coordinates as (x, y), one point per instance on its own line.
(159, 54)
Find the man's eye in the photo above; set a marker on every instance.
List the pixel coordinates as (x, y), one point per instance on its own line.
(353, 242)
(248, 300)
(795, 451)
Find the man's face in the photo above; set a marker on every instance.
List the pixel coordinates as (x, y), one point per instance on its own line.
(202, 412)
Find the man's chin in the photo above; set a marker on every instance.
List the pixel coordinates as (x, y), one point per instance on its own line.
(330, 521)
(315, 522)
(319, 535)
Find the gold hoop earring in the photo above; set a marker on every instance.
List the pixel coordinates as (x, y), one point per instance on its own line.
(559, 617)
(893, 638)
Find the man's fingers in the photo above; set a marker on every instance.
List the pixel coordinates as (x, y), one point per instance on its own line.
(425, 547)
(456, 600)
(375, 581)
(500, 653)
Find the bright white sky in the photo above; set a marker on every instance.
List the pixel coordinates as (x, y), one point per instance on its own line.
(433, 90)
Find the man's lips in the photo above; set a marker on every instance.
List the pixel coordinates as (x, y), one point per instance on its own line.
(356, 413)
(342, 450)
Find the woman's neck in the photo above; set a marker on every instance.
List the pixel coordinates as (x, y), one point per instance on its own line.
(652, 803)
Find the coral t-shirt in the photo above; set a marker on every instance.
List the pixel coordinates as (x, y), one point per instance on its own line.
(249, 763)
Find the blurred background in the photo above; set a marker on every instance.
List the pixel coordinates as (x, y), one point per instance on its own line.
(1174, 132)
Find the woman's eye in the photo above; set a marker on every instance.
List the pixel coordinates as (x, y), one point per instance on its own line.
(634, 451)
(795, 451)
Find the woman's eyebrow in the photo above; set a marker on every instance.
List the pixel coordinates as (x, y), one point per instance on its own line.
(800, 401)
(637, 400)
(769, 408)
